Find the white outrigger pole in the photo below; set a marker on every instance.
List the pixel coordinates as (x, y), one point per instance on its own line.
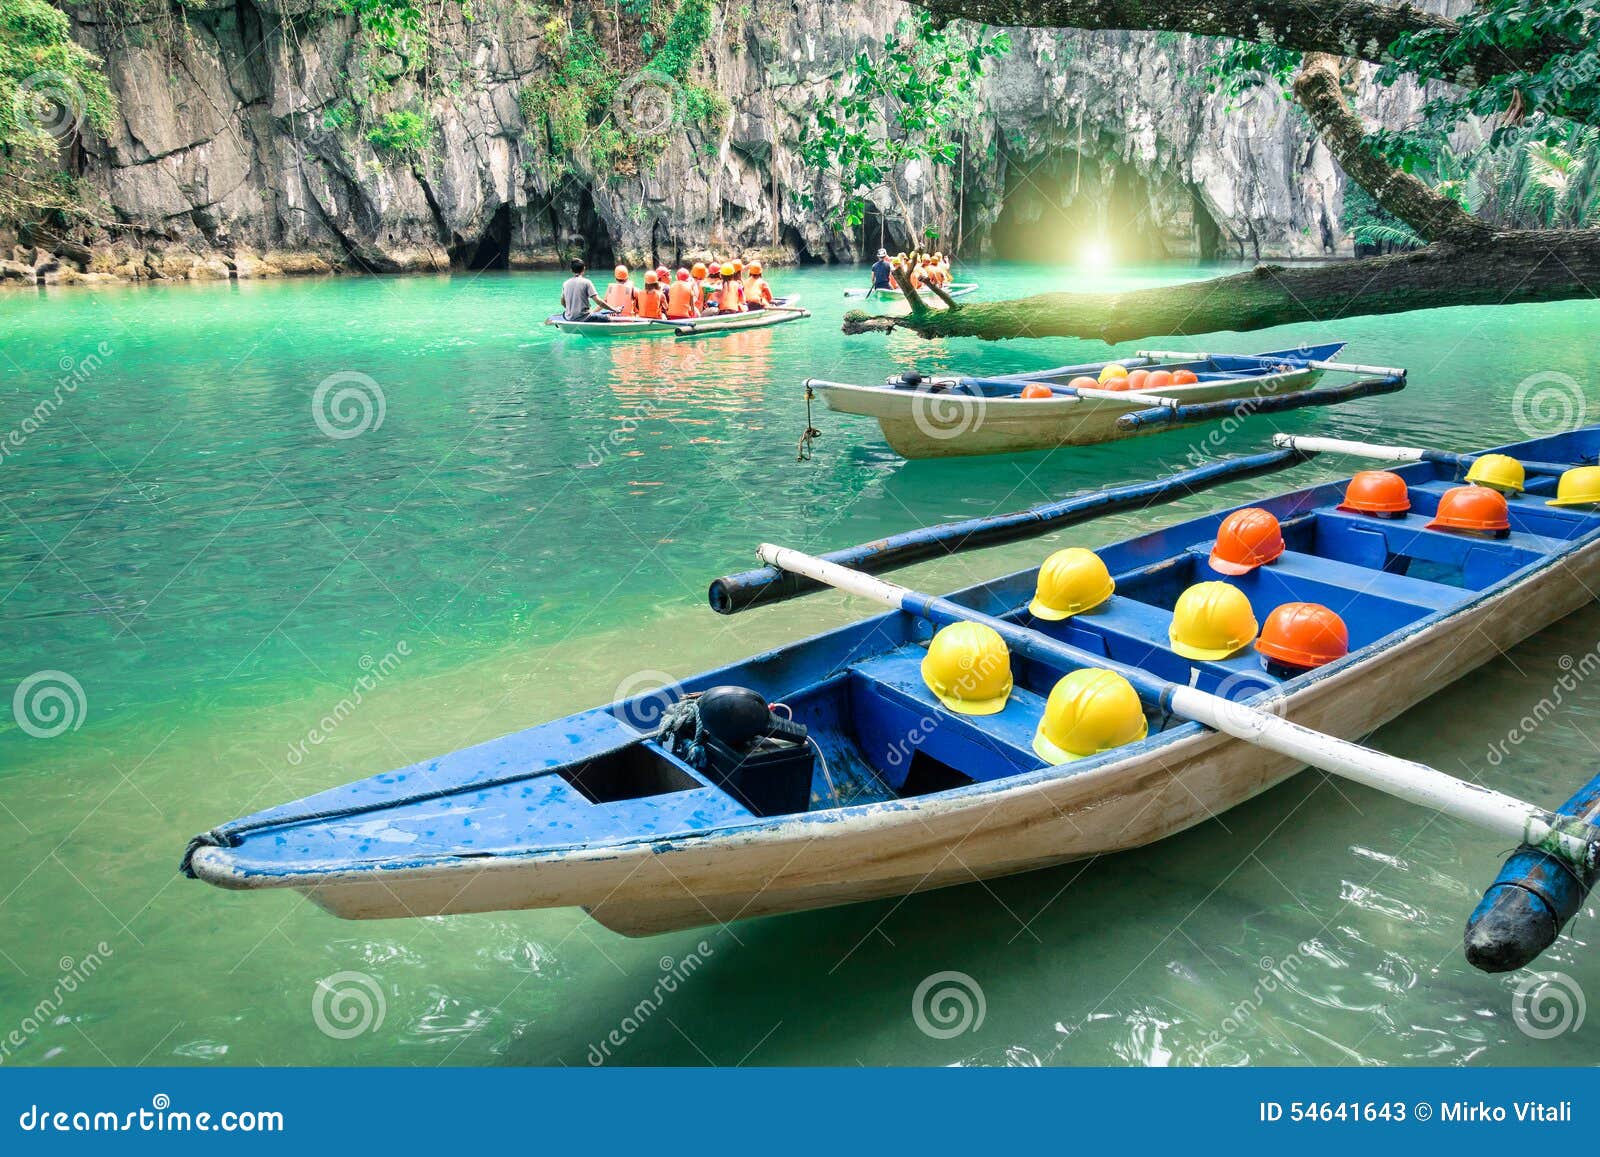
(1570, 839)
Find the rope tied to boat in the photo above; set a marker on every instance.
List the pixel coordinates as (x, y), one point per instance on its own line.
(812, 433)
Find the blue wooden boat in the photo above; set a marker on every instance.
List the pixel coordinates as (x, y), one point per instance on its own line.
(944, 415)
(866, 785)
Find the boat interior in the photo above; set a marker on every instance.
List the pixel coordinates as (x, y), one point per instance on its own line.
(880, 735)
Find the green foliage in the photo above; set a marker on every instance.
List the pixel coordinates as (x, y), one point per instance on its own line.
(1243, 65)
(402, 132)
(705, 105)
(906, 103)
(1568, 84)
(684, 40)
(49, 86)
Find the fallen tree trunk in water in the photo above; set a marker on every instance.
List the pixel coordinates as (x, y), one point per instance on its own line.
(1500, 269)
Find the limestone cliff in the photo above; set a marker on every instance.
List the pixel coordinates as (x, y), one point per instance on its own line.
(233, 152)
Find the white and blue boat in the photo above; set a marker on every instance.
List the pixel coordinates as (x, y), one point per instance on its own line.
(849, 779)
(943, 415)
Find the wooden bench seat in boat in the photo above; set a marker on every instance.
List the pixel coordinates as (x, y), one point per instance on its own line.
(1373, 542)
(1528, 514)
(907, 718)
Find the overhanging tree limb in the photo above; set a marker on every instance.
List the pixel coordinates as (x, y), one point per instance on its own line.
(1364, 29)
(1498, 269)
(1434, 216)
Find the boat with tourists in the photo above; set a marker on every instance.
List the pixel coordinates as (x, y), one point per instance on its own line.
(782, 310)
(959, 289)
(946, 415)
(1101, 701)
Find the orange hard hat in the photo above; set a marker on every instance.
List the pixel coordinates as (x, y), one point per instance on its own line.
(1138, 379)
(737, 263)
(1471, 508)
(1304, 635)
(1158, 379)
(683, 274)
(1184, 377)
(1376, 492)
(755, 268)
(622, 272)
(1037, 390)
(699, 270)
(662, 274)
(1084, 384)
(1246, 539)
(651, 277)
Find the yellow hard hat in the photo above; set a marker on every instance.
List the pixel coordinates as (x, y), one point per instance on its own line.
(727, 269)
(1211, 621)
(1579, 486)
(1088, 711)
(968, 667)
(1114, 370)
(1498, 472)
(1071, 581)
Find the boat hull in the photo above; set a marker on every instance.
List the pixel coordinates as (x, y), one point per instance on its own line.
(883, 850)
(920, 424)
(698, 327)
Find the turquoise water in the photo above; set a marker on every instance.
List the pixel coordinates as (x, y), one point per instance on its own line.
(532, 523)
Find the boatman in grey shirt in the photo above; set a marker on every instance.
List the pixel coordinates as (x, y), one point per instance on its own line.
(577, 292)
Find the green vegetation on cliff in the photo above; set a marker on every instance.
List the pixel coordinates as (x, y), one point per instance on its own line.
(50, 88)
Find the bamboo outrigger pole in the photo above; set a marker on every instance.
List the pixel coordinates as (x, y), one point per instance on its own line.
(1568, 838)
(1399, 453)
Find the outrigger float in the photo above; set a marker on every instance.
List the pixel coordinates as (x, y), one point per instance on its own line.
(941, 416)
(1045, 716)
(957, 289)
(782, 309)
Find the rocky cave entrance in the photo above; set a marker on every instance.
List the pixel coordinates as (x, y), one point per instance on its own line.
(1069, 208)
(493, 249)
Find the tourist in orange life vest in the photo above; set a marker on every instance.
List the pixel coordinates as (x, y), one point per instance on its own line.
(697, 278)
(680, 298)
(730, 298)
(652, 302)
(620, 297)
(757, 293)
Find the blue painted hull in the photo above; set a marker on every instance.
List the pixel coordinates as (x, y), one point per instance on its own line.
(590, 811)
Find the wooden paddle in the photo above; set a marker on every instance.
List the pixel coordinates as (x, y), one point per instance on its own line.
(1572, 840)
